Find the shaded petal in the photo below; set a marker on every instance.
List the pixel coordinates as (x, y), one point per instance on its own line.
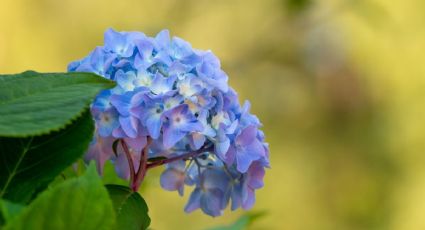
(137, 143)
(230, 155)
(100, 151)
(137, 105)
(248, 198)
(247, 136)
(194, 201)
(172, 179)
(119, 133)
(121, 166)
(244, 160)
(255, 149)
(197, 140)
(212, 202)
(215, 178)
(129, 126)
(236, 196)
(256, 174)
(221, 148)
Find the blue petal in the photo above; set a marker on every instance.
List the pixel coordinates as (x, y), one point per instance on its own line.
(193, 126)
(247, 136)
(255, 175)
(180, 48)
(230, 155)
(162, 39)
(197, 140)
(119, 133)
(129, 126)
(236, 196)
(255, 149)
(73, 66)
(248, 198)
(172, 179)
(121, 166)
(212, 202)
(161, 85)
(154, 123)
(215, 178)
(145, 48)
(100, 151)
(106, 121)
(117, 42)
(194, 201)
(172, 136)
(221, 148)
(102, 100)
(163, 58)
(137, 143)
(144, 59)
(122, 103)
(244, 160)
(125, 80)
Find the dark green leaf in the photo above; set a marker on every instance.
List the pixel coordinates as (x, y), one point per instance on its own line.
(130, 208)
(27, 165)
(34, 103)
(115, 146)
(153, 159)
(78, 203)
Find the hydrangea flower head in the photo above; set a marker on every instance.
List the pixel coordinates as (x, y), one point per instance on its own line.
(173, 106)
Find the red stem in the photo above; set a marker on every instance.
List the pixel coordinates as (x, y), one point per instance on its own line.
(183, 156)
(136, 178)
(130, 161)
(141, 172)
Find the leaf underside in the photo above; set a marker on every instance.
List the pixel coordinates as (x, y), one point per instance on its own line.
(28, 165)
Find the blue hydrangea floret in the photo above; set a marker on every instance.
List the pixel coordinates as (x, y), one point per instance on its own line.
(172, 106)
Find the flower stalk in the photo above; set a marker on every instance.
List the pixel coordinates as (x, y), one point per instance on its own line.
(136, 178)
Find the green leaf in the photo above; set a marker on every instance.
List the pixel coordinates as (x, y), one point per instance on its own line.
(27, 165)
(9, 210)
(297, 6)
(78, 203)
(243, 222)
(34, 103)
(130, 208)
(110, 176)
(115, 146)
(153, 159)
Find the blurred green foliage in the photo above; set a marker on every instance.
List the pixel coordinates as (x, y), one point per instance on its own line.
(338, 84)
(243, 222)
(296, 6)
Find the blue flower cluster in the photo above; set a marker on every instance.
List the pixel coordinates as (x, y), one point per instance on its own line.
(173, 100)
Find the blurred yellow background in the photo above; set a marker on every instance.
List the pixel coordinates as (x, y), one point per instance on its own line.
(338, 84)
